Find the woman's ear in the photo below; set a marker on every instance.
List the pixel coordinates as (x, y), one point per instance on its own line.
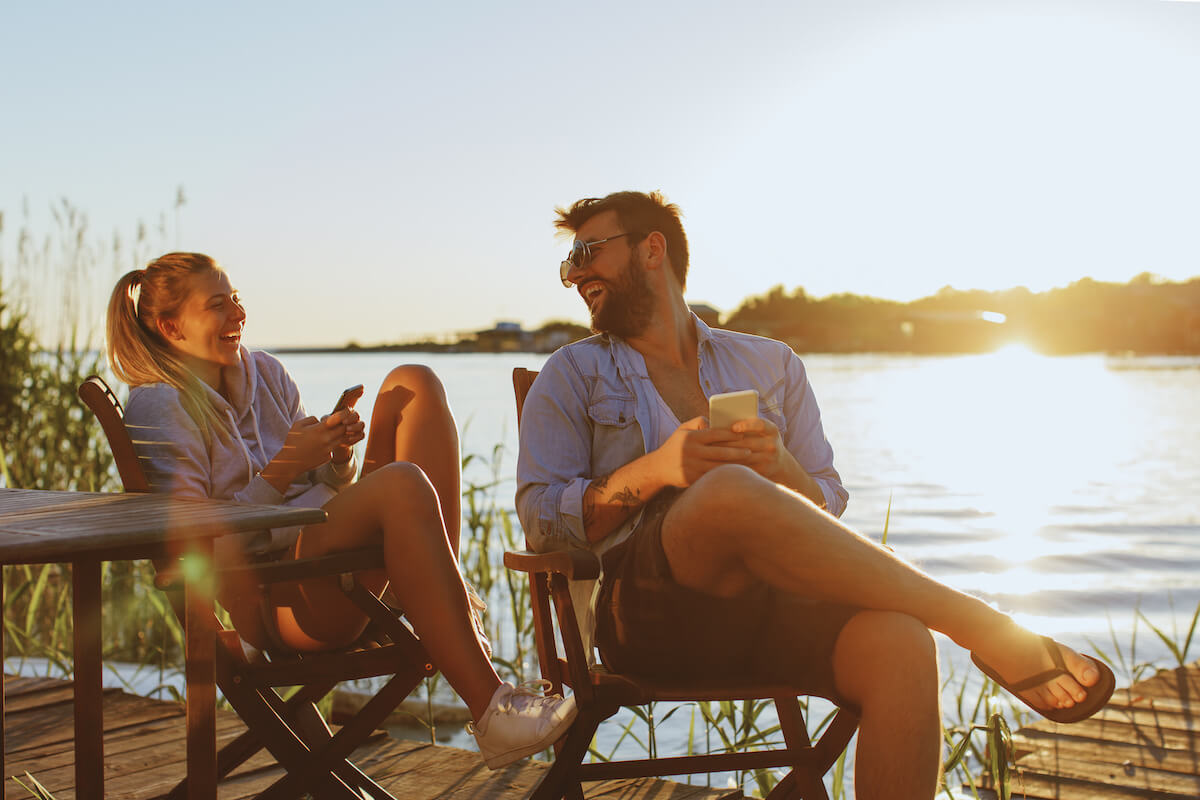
(169, 330)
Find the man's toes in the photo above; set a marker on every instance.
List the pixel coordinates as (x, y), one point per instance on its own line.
(1082, 668)
(1058, 694)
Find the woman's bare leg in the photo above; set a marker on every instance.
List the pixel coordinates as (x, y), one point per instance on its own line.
(397, 503)
(412, 422)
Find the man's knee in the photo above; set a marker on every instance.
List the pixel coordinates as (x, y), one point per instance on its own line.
(720, 493)
(889, 653)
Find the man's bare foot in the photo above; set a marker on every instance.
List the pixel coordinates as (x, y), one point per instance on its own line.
(1049, 677)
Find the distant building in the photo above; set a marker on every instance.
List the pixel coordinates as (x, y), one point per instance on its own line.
(707, 314)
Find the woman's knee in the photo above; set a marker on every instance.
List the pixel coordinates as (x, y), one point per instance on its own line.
(416, 378)
(403, 480)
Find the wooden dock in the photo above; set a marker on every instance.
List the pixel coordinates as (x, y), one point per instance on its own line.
(144, 756)
(1144, 744)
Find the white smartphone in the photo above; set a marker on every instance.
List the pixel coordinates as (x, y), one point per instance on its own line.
(727, 408)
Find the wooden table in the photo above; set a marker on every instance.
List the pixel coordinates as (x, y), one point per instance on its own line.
(38, 527)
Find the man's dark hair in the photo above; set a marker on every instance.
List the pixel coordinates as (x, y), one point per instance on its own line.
(638, 212)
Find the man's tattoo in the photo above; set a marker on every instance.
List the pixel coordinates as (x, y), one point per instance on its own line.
(627, 498)
(597, 486)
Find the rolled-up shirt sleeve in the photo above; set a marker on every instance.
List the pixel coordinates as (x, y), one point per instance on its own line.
(806, 437)
(553, 467)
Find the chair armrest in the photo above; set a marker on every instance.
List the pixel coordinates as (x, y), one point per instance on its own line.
(577, 565)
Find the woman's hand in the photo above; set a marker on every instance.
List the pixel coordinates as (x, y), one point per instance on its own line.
(353, 432)
(309, 444)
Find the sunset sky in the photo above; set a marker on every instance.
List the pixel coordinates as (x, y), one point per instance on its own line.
(381, 171)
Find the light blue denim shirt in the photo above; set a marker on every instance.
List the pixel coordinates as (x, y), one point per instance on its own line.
(591, 410)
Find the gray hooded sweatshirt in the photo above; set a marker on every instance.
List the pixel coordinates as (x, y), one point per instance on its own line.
(190, 459)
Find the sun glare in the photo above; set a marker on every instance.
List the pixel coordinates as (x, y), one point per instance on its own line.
(1006, 440)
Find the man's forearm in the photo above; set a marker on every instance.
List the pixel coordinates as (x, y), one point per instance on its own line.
(798, 480)
(611, 499)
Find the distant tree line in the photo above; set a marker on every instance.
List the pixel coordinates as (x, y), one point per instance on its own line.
(1144, 316)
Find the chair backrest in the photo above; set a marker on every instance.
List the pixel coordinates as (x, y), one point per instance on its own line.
(522, 380)
(96, 394)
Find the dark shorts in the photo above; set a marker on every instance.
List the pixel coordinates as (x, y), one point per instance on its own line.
(648, 624)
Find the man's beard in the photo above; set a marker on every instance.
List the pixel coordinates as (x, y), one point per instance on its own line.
(628, 305)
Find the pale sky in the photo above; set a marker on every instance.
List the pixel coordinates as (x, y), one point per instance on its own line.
(381, 171)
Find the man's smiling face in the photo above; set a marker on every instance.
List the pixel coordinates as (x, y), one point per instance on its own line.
(613, 283)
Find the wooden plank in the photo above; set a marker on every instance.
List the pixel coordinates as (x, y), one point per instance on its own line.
(50, 696)
(1186, 761)
(422, 771)
(54, 724)
(1035, 787)
(1120, 731)
(1156, 783)
(99, 524)
(145, 757)
(165, 736)
(15, 686)
(1150, 719)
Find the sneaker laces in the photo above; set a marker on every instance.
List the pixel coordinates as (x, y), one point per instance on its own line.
(534, 689)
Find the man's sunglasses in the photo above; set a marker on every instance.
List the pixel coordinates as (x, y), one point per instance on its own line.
(581, 255)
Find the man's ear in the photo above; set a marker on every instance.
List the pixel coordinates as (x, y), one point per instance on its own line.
(656, 250)
(169, 330)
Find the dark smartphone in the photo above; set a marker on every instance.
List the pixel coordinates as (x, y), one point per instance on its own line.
(348, 398)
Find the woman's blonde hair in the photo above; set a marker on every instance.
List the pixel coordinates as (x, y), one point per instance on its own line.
(137, 351)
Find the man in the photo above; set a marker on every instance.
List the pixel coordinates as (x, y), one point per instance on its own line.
(715, 541)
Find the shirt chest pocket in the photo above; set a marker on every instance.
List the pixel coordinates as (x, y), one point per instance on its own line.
(616, 436)
(613, 411)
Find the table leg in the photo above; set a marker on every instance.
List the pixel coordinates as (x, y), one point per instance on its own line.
(88, 689)
(201, 674)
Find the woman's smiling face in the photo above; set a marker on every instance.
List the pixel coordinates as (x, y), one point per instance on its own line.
(207, 331)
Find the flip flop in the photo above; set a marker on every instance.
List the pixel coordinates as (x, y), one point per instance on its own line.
(1097, 694)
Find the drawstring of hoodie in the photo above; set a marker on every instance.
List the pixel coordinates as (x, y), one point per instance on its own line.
(245, 449)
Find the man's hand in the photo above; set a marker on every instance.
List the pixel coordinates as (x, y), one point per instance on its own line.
(771, 459)
(768, 456)
(694, 449)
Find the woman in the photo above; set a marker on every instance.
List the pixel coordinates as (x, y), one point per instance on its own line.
(213, 419)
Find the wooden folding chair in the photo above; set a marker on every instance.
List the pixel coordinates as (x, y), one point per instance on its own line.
(600, 693)
(292, 730)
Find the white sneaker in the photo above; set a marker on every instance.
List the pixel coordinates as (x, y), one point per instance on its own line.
(477, 609)
(520, 721)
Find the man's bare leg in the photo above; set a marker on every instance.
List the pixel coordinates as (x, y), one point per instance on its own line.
(733, 527)
(886, 664)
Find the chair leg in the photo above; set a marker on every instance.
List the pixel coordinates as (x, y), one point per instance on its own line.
(329, 759)
(562, 779)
